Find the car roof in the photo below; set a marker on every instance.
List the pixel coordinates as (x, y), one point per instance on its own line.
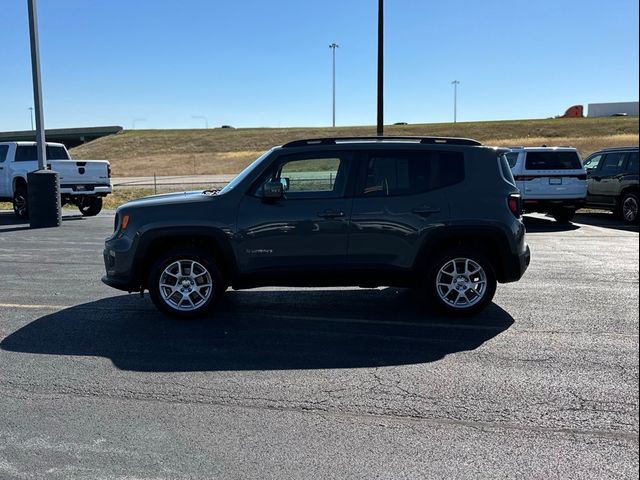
(543, 149)
(379, 140)
(30, 144)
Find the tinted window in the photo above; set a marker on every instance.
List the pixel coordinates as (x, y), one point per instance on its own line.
(506, 168)
(592, 163)
(407, 173)
(553, 161)
(308, 176)
(613, 162)
(632, 163)
(3, 152)
(28, 153)
(512, 158)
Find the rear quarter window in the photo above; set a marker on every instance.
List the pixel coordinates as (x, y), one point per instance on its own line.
(553, 161)
(28, 153)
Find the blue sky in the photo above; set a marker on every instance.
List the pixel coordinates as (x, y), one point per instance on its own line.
(252, 63)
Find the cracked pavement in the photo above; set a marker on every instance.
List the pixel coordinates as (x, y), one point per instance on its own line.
(320, 383)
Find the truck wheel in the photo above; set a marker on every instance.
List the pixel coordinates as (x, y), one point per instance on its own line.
(185, 283)
(20, 203)
(564, 215)
(461, 282)
(628, 210)
(90, 206)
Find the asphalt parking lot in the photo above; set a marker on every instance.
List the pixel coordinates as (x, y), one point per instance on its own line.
(328, 383)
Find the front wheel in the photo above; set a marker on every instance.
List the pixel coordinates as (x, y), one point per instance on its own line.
(461, 282)
(629, 208)
(185, 283)
(90, 206)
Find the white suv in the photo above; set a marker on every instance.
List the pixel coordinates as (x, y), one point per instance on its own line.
(551, 180)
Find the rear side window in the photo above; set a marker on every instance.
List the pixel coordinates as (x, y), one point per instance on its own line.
(613, 162)
(407, 173)
(3, 152)
(553, 161)
(28, 153)
(512, 158)
(632, 164)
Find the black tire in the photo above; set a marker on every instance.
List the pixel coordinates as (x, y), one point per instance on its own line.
(176, 305)
(90, 206)
(448, 302)
(21, 203)
(564, 215)
(628, 209)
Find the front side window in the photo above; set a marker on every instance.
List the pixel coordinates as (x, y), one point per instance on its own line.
(408, 173)
(593, 162)
(3, 152)
(310, 176)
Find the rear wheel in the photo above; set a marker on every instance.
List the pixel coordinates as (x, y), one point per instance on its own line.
(20, 202)
(461, 282)
(90, 206)
(185, 283)
(629, 208)
(564, 215)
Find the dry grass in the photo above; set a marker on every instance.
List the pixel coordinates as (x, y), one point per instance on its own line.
(216, 151)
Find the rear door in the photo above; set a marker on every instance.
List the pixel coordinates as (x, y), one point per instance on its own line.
(399, 196)
(552, 174)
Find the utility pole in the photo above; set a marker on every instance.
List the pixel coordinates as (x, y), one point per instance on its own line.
(200, 117)
(380, 129)
(31, 117)
(455, 84)
(43, 196)
(333, 47)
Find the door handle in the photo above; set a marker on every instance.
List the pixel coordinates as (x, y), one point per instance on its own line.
(330, 214)
(425, 210)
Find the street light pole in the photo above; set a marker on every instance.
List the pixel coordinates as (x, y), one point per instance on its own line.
(333, 47)
(455, 84)
(380, 128)
(43, 186)
(200, 117)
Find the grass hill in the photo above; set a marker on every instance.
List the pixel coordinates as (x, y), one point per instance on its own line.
(217, 151)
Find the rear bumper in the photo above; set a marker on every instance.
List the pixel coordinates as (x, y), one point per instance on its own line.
(513, 270)
(118, 283)
(78, 190)
(546, 205)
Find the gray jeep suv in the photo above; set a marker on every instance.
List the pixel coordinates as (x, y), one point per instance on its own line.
(440, 214)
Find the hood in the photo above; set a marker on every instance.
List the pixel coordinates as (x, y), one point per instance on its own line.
(168, 199)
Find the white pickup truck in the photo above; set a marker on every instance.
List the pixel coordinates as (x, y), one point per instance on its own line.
(82, 182)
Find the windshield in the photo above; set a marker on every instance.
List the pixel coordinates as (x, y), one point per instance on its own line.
(243, 174)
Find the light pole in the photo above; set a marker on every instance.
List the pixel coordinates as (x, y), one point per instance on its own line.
(380, 127)
(200, 117)
(333, 47)
(31, 117)
(43, 186)
(455, 84)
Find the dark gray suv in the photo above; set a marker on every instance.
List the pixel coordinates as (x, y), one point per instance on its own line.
(440, 214)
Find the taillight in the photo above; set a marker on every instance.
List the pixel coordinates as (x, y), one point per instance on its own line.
(514, 201)
(109, 171)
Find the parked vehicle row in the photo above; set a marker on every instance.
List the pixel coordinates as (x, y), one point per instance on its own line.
(82, 183)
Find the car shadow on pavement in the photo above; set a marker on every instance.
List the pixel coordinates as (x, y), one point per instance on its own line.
(604, 219)
(546, 224)
(262, 330)
(15, 224)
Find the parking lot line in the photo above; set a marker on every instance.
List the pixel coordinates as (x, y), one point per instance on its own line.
(35, 307)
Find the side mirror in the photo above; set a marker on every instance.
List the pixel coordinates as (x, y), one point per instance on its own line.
(285, 183)
(272, 190)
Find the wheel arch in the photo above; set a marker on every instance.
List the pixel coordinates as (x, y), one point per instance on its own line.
(19, 182)
(152, 244)
(490, 241)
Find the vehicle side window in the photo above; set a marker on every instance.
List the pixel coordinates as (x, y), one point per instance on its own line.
(311, 177)
(613, 162)
(3, 152)
(26, 153)
(512, 158)
(408, 173)
(632, 163)
(592, 163)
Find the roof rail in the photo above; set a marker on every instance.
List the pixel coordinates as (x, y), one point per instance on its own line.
(425, 140)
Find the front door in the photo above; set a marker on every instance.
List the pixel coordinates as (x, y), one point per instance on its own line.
(306, 230)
